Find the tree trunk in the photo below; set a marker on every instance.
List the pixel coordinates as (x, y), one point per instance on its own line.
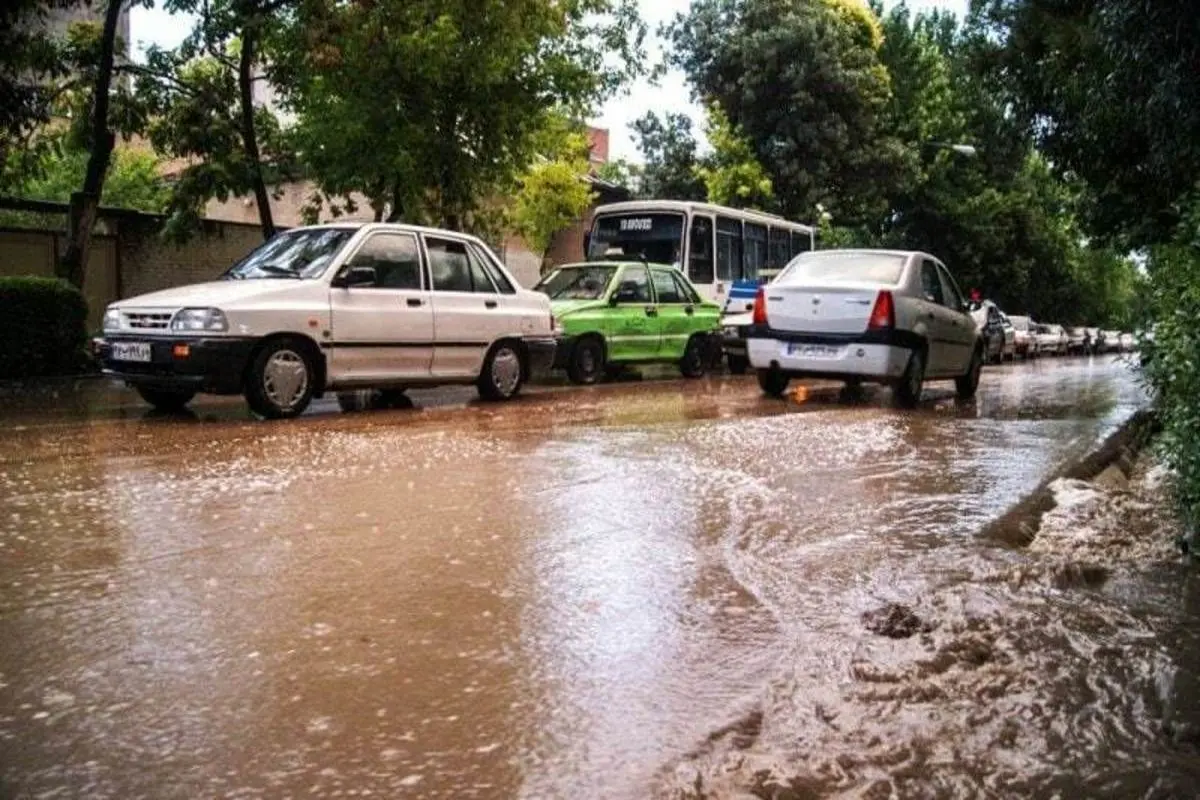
(86, 203)
(397, 212)
(249, 136)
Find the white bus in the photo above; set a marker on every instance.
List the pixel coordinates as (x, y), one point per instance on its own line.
(726, 252)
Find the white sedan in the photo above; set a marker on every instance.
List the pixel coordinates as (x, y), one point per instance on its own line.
(880, 316)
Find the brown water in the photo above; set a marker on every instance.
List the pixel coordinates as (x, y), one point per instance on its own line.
(630, 591)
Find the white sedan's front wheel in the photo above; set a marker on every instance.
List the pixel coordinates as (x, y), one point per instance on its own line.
(503, 372)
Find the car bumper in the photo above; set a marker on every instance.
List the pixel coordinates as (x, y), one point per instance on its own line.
(203, 364)
(543, 353)
(834, 359)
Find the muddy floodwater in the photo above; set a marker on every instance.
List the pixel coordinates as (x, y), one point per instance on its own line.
(657, 589)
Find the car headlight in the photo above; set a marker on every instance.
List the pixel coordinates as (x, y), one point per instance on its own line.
(112, 320)
(200, 319)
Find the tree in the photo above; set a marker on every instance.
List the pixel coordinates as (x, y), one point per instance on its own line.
(732, 175)
(1108, 87)
(33, 70)
(200, 109)
(804, 82)
(101, 139)
(553, 193)
(670, 151)
(430, 107)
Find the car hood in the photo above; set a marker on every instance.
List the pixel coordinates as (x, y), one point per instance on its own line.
(216, 294)
(561, 308)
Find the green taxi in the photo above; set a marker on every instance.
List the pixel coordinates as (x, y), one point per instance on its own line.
(613, 313)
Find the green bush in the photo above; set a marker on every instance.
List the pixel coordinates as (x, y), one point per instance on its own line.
(1172, 359)
(43, 328)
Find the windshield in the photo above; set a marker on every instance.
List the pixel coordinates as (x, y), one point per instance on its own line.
(1020, 323)
(834, 267)
(657, 238)
(298, 254)
(577, 283)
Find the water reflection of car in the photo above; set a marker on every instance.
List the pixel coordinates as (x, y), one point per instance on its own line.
(615, 313)
(878, 316)
(334, 308)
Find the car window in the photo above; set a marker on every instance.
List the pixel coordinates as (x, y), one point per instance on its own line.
(665, 289)
(499, 278)
(952, 297)
(449, 265)
(481, 281)
(395, 259)
(634, 286)
(931, 284)
(685, 290)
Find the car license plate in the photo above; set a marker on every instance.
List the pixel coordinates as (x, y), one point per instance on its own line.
(131, 351)
(813, 350)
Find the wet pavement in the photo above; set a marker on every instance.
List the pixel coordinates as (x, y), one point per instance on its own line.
(642, 589)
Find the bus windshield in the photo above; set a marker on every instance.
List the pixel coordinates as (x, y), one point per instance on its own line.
(655, 237)
(577, 283)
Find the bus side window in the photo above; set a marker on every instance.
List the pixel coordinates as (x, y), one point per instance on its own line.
(729, 249)
(781, 247)
(801, 243)
(756, 250)
(700, 250)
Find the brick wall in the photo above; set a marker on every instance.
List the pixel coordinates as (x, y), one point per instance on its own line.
(148, 264)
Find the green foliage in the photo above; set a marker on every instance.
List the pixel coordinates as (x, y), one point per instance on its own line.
(132, 181)
(804, 82)
(552, 194)
(43, 328)
(732, 175)
(622, 173)
(191, 101)
(1172, 360)
(1109, 88)
(429, 108)
(669, 148)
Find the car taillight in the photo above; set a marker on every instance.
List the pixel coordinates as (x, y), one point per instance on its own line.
(884, 313)
(760, 307)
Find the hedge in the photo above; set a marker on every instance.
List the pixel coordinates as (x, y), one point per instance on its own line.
(43, 328)
(1171, 359)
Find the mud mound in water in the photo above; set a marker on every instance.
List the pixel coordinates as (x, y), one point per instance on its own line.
(895, 621)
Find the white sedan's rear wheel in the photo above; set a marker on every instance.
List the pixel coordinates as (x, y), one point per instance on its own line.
(908, 391)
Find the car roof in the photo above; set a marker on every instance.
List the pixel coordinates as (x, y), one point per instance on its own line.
(384, 226)
(579, 264)
(871, 251)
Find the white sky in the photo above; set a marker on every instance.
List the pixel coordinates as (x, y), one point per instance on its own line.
(156, 26)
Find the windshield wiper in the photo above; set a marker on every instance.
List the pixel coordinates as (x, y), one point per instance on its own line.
(275, 269)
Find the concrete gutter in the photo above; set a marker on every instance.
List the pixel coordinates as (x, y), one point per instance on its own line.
(1109, 465)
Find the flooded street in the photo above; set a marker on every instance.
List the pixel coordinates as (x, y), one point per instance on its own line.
(644, 589)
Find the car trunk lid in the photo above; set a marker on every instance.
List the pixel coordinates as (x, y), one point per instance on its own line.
(844, 308)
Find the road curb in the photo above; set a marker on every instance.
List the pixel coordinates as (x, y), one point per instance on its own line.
(1110, 463)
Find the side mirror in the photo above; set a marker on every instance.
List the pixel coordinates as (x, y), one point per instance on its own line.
(356, 276)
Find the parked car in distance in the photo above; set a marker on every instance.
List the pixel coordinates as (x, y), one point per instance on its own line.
(1112, 341)
(614, 313)
(880, 316)
(1051, 340)
(1009, 353)
(334, 308)
(1025, 341)
(990, 323)
(738, 316)
(1077, 340)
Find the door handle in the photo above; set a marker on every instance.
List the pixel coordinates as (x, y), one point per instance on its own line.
(651, 311)
(690, 310)
(414, 302)
(491, 304)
